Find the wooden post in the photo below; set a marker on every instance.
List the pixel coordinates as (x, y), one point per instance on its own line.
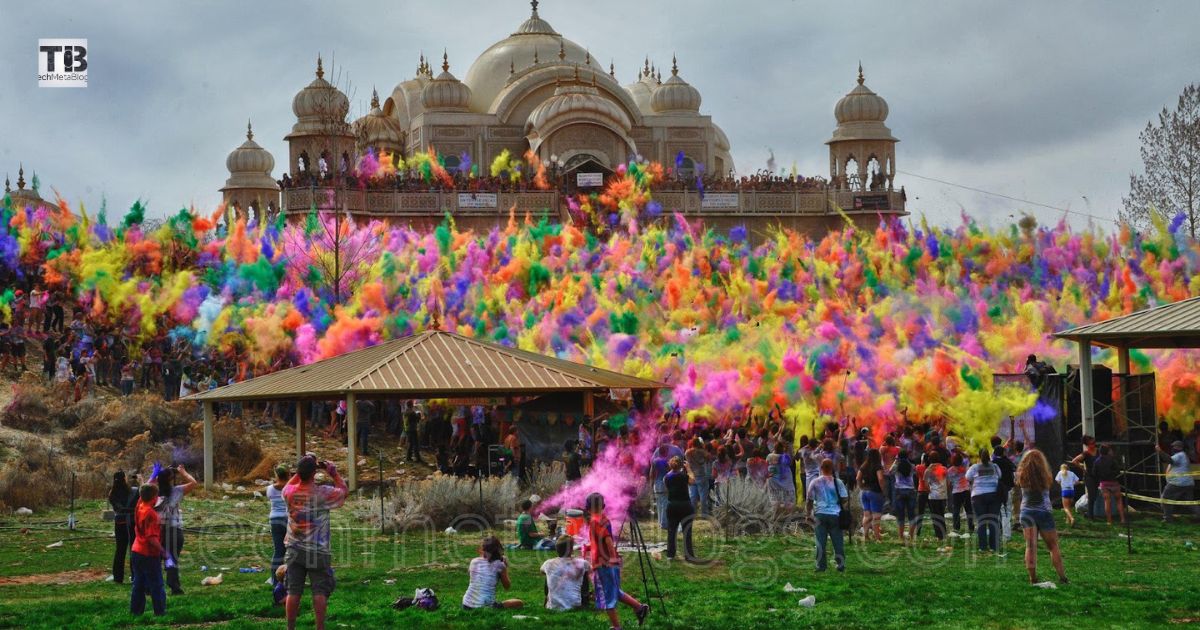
(208, 444)
(589, 404)
(1086, 397)
(303, 411)
(1123, 360)
(352, 441)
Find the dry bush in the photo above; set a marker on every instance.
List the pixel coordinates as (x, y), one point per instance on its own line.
(235, 452)
(122, 419)
(31, 406)
(41, 478)
(546, 479)
(743, 506)
(77, 413)
(443, 499)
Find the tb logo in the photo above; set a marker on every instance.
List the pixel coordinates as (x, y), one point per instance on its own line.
(62, 62)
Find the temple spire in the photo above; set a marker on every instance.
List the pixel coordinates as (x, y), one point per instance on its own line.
(445, 61)
(860, 74)
(374, 98)
(562, 50)
(320, 67)
(534, 4)
(535, 56)
(512, 66)
(587, 59)
(674, 66)
(7, 186)
(612, 70)
(421, 64)
(249, 130)
(21, 177)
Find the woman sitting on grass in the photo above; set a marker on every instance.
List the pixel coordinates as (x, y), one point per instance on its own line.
(486, 571)
(1037, 516)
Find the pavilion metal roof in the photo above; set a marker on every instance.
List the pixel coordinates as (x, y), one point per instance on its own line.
(1175, 325)
(434, 364)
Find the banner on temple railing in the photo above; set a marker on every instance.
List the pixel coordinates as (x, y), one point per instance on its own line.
(476, 200)
(585, 180)
(720, 200)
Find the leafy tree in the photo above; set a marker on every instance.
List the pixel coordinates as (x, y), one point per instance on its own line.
(1170, 182)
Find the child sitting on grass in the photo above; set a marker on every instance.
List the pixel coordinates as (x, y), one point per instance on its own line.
(566, 577)
(527, 533)
(606, 564)
(486, 571)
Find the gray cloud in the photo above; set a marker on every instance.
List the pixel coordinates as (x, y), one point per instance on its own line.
(1035, 100)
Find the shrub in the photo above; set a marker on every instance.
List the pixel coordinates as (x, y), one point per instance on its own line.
(743, 506)
(235, 452)
(122, 419)
(41, 478)
(444, 499)
(31, 406)
(546, 479)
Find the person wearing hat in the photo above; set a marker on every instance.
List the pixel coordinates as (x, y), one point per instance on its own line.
(1180, 484)
(308, 552)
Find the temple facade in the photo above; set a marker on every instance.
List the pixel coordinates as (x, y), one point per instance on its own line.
(538, 91)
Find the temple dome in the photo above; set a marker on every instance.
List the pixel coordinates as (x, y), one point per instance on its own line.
(860, 115)
(250, 165)
(675, 95)
(861, 105)
(379, 130)
(446, 92)
(534, 38)
(643, 89)
(573, 102)
(21, 196)
(319, 103)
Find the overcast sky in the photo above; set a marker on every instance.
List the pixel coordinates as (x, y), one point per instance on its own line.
(1037, 100)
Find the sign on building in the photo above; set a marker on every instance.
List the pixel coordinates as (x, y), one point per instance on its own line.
(587, 180)
(872, 202)
(720, 200)
(476, 200)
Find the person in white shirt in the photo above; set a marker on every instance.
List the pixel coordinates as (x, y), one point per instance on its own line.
(1180, 483)
(566, 577)
(486, 571)
(1067, 481)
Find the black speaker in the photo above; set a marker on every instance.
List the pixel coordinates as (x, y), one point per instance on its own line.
(1102, 397)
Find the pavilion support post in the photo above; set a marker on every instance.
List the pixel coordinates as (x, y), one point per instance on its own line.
(303, 411)
(1123, 360)
(208, 444)
(352, 441)
(1086, 397)
(589, 404)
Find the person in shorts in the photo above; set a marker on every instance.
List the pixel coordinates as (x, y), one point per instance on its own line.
(308, 556)
(1037, 515)
(606, 564)
(1066, 482)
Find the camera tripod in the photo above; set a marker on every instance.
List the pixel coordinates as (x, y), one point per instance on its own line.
(639, 544)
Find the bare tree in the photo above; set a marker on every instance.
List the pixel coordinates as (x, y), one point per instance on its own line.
(1170, 182)
(332, 252)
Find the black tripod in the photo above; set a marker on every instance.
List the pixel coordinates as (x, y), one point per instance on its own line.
(639, 544)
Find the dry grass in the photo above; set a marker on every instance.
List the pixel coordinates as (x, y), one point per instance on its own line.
(236, 454)
(41, 478)
(447, 500)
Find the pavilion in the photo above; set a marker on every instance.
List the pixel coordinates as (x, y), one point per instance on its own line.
(433, 364)
(1175, 325)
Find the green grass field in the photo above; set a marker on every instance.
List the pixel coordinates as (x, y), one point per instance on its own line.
(884, 586)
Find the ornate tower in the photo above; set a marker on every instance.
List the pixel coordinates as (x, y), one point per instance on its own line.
(250, 189)
(321, 132)
(862, 151)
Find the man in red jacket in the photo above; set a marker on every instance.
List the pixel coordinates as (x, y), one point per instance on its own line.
(147, 555)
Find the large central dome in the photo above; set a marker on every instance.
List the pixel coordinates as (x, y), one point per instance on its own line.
(533, 39)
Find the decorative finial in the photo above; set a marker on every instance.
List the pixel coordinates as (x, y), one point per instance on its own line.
(646, 70)
(512, 67)
(535, 56)
(593, 78)
(612, 70)
(658, 77)
(320, 67)
(534, 4)
(562, 50)
(577, 74)
(249, 130)
(860, 74)
(7, 186)
(21, 177)
(674, 66)
(421, 64)
(587, 59)
(445, 61)
(374, 98)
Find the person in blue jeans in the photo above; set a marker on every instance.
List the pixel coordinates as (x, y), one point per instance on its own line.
(278, 516)
(904, 495)
(826, 497)
(985, 500)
